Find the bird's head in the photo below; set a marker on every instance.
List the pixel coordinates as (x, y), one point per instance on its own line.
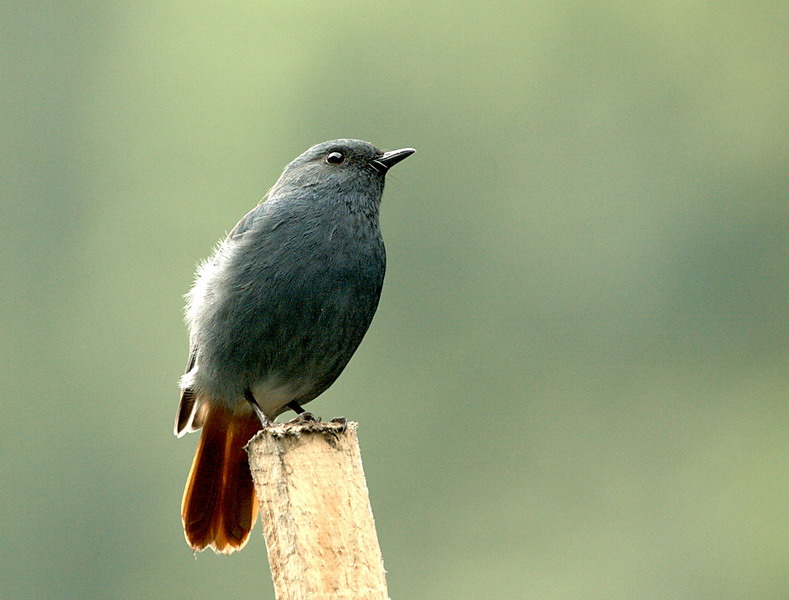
(340, 167)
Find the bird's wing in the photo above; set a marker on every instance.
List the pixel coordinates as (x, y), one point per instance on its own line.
(244, 224)
(188, 418)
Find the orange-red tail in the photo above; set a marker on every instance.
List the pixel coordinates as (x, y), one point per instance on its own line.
(219, 506)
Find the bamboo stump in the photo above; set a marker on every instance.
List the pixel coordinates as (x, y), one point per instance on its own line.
(317, 521)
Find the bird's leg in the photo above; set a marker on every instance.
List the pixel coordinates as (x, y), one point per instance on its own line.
(295, 407)
(264, 420)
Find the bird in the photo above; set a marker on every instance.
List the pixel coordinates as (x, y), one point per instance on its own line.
(274, 315)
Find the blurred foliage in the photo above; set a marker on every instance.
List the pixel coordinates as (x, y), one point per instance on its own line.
(576, 384)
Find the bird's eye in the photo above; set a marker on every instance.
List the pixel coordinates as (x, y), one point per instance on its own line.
(335, 158)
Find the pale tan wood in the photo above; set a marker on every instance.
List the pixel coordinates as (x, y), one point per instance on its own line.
(315, 508)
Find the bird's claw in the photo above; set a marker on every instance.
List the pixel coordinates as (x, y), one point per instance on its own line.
(305, 417)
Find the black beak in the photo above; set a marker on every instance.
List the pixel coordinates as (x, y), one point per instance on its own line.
(389, 159)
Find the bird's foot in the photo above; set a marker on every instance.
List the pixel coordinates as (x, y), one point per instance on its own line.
(302, 418)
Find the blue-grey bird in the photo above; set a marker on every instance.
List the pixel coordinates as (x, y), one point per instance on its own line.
(274, 316)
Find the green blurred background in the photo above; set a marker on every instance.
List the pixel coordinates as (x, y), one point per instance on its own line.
(576, 383)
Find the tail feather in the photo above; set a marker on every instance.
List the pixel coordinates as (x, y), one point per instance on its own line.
(184, 420)
(219, 507)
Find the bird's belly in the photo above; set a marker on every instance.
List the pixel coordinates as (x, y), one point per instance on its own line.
(284, 342)
(273, 393)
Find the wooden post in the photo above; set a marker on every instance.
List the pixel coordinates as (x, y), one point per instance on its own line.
(316, 513)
